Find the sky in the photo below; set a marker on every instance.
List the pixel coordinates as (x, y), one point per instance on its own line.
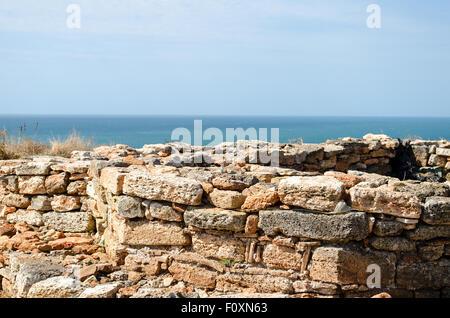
(233, 57)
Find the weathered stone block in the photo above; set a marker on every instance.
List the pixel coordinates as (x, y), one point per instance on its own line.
(387, 228)
(56, 184)
(112, 178)
(261, 201)
(339, 227)
(64, 203)
(222, 247)
(41, 203)
(127, 207)
(430, 275)
(383, 200)
(15, 200)
(348, 265)
(77, 188)
(283, 257)
(302, 286)
(27, 271)
(33, 169)
(215, 219)
(436, 160)
(226, 199)
(149, 233)
(319, 193)
(253, 283)
(234, 182)
(56, 287)
(445, 152)
(424, 232)
(107, 290)
(31, 217)
(421, 155)
(394, 244)
(31, 185)
(72, 167)
(69, 221)
(195, 275)
(164, 188)
(437, 210)
(10, 183)
(431, 253)
(163, 211)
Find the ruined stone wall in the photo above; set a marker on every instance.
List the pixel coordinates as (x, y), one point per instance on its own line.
(151, 225)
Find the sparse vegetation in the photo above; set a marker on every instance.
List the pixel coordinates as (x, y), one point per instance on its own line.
(228, 262)
(20, 146)
(74, 141)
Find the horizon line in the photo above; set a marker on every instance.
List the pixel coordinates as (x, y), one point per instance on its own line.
(225, 115)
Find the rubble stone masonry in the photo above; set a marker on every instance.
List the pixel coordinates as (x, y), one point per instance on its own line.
(152, 222)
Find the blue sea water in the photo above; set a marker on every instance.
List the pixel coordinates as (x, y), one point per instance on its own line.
(139, 130)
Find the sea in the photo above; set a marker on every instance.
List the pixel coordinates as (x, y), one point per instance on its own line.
(137, 131)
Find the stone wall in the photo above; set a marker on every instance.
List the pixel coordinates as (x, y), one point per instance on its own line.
(142, 224)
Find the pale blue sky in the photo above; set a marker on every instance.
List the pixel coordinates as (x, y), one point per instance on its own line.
(235, 57)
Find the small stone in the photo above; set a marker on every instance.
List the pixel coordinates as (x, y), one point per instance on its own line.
(31, 217)
(387, 228)
(437, 210)
(226, 199)
(64, 203)
(108, 290)
(425, 232)
(319, 193)
(338, 227)
(32, 185)
(55, 287)
(128, 207)
(234, 182)
(149, 233)
(56, 184)
(348, 265)
(431, 253)
(77, 188)
(251, 225)
(283, 257)
(15, 200)
(436, 160)
(222, 247)
(69, 221)
(301, 286)
(214, 218)
(7, 229)
(163, 211)
(197, 276)
(394, 244)
(41, 203)
(69, 242)
(342, 207)
(168, 281)
(112, 179)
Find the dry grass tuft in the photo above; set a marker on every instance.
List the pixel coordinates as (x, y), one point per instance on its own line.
(24, 147)
(13, 148)
(73, 142)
